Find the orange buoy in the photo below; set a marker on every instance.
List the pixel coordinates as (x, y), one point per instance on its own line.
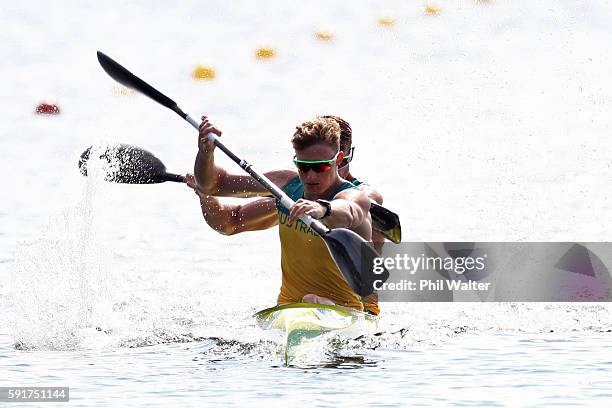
(45, 108)
(265, 53)
(203, 73)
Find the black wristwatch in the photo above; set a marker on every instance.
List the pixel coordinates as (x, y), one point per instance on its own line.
(327, 206)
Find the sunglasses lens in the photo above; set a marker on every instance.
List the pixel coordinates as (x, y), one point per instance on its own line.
(317, 167)
(303, 167)
(323, 167)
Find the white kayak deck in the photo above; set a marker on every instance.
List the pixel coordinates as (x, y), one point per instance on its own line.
(303, 321)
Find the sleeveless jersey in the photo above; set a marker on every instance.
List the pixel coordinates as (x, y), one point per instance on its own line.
(307, 266)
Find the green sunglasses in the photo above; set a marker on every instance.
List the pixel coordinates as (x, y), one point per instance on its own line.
(318, 166)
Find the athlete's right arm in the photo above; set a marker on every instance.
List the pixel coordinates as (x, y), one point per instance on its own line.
(233, 218)
(214, 180)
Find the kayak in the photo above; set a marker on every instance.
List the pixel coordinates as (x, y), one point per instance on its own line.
(303, 322)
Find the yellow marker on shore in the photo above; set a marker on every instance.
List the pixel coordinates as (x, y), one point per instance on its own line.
(324, 36)
(432, 9)
(386, 21)
(203, 73)
(265, 53)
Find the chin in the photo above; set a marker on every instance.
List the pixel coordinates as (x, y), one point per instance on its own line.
(311, 189)
(317, 189)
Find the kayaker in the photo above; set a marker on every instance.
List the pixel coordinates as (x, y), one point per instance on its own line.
(309, 273)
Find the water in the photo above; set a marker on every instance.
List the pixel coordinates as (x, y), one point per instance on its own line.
(472, 370)
(487, 122)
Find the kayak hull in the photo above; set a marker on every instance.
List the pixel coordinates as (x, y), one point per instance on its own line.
(303, 322)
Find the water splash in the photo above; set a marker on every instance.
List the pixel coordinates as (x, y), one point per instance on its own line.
(61, 279)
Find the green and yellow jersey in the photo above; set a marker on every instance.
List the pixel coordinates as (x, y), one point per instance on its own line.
(307, 266)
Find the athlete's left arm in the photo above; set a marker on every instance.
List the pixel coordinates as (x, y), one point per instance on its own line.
(372, 193)
(349, 209)
(378, 238)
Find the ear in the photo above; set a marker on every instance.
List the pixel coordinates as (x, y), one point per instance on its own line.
(339, 158)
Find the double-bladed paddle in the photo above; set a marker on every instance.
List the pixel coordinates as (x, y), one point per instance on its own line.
(346, 247)
(128, 164)
(134, 165)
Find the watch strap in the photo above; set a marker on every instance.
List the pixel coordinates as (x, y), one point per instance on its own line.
(327, 206)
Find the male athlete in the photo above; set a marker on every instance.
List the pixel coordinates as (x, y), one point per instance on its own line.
(309, 273)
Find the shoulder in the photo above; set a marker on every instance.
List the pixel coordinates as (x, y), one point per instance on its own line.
(356, 195)
(372, 193)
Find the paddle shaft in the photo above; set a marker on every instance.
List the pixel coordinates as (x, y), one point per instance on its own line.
(173, 177)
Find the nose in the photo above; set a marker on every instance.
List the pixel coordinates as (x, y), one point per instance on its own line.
(311, 175)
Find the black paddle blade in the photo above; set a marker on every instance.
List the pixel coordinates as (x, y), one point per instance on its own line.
(354, 257)
(126, 78)
(387, 222)
(123, 163)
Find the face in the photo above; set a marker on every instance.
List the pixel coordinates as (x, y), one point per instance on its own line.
(318, 183)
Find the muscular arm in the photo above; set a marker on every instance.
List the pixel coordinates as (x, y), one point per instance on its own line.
(372, 193)
(214, 180)
(349, 209)
(378, 239)
(233, 218)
